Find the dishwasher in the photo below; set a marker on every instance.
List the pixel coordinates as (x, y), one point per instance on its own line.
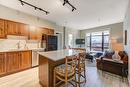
(35, 56)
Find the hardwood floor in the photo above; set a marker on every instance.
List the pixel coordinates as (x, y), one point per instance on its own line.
(95, 78)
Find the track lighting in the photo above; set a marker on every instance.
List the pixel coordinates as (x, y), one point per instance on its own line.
(72, 9)
(35, 7)
(22, 3)
(63, 3)
(67, 2)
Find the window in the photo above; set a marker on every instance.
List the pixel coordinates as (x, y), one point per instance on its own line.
(70, 40)
(97, 41)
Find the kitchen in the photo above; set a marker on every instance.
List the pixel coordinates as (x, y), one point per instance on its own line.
(20, 44)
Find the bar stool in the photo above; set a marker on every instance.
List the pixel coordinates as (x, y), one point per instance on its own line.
(66, 72)
(80, 69)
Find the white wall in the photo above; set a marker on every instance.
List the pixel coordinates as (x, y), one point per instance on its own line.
(127, 27)
(75, 33)
(11, 14)
(14, 15)
(116, 32)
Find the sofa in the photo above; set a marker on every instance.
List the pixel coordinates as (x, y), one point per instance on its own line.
(115, 66)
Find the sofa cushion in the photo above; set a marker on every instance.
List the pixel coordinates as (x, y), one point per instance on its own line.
(116, 56)
(108, 54)
(121, 54)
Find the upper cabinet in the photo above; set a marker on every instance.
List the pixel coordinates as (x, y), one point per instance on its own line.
(15, 28)
(2, 29)
(32, 33)
(23, 29)
(12, 28)
(35, 33)
(50, 31)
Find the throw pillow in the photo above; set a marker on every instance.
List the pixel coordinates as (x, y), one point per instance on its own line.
(116, 56)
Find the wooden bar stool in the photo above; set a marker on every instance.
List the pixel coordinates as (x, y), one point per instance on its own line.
(80, 69)
(66, 72)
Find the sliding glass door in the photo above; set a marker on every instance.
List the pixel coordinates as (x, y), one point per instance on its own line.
(97, 41)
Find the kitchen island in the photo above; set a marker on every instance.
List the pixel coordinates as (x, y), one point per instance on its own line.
(47, 62)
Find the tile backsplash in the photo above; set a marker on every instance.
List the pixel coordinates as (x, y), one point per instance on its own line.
(12, 44)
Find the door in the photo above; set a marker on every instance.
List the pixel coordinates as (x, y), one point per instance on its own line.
(12, 62)
(2, 28)
(23, 29)
(32, 33)
(26, 59)
(2, 63)
(12, 28)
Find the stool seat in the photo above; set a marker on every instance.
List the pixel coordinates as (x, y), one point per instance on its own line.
(61, 70)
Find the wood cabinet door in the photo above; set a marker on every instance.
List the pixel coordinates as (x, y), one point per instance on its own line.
(12, 62)
(44, 30)
(26, 59)
(2, 64)
(23, 29)
(32, 33)
(50, 31)
(2, 28)
(39, 33)
(12, 28)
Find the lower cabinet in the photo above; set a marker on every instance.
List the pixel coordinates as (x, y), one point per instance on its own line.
(26, 60)
(11, 62)
(2, 63)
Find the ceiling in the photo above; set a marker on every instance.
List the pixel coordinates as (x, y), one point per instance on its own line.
(89, 13)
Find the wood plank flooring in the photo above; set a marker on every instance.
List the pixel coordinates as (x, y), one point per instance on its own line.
(95, 78)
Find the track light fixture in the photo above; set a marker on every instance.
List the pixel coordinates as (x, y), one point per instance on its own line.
(22, 3)
(35, 7)
(67, 2)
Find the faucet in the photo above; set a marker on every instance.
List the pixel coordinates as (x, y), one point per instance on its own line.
(25, 46)
(18, 45)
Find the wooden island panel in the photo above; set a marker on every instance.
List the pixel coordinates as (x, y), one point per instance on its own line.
(46, 67)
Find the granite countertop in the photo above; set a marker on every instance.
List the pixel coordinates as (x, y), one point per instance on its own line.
(13, 50)
(59, 54)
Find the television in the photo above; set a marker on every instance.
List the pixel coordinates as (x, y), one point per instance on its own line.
(80, 41)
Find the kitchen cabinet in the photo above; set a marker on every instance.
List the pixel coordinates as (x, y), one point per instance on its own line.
(12, 28)
(32, 33)
(40, 32)
(26, 59)
(23, 29)
(11, 62)
(2, 29)
(2, 63)
(15, 28)
(35, 33)
(44, 30)
(50, 31)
